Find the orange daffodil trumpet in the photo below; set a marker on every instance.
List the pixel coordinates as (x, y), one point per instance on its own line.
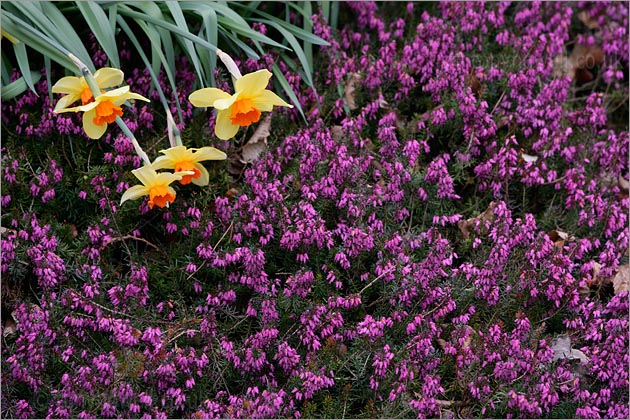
(243, 107)
(180, 158)
(103, 110)
(155, 185)
(77, 88)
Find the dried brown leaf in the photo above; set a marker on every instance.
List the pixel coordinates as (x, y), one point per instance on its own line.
(466, 226)
(350, 89)
(257, 143)
(9, 328)
(590, 22)
(624, 184)
(337, 132)
(577, 66)
(562, 350)
(471, 80)
(621, 280)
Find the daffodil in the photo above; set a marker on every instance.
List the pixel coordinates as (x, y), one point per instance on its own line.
(243, 107)
(155, 185)
(77, 88)
(103, 110)
(180, 158)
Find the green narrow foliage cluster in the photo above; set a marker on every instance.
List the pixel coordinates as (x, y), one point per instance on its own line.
(195, 29)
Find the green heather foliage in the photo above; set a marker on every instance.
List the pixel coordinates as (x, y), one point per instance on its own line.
(439, 228)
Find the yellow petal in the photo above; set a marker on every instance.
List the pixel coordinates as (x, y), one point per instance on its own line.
(224, 129)
(134, 193)
(226, 103)
(114, 93)
(68, 84)
(132, 95)
(166, 177)
(204, 179)
(66, 101)
(208, 153)
(162, 162)
(266, 100)
(146, 175)
(108, 77)
(80, 108)
(92, 130)
(253, 82)
(204, 98)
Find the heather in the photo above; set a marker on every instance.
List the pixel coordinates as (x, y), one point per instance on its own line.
(439, 230)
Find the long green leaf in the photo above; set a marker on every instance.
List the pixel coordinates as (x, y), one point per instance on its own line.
(18, 87)
(180, 21)
(152, 12)
(144, 58)
(154, 40)
(248, 32)
(47, 67)
(22, 61)
(298, 32)
(36, 40)
(96, 18)
(295, 45)
(6, 76)
(287, 88)
(143, 17)
(66, 34)
(246, 48)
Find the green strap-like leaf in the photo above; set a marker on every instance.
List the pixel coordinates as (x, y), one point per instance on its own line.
(22, 61)
(18, 87)
(96, 18)
(154, 39)
(180, 21)
(35, 39)
(144, 58)
(169, 26)
(277, 74)
(297, 48)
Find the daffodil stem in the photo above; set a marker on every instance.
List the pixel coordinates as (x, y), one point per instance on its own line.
(174, 135)
(230, 64)
(91, 81)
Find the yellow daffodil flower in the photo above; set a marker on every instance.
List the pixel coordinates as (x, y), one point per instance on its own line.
(243, 107)
(77, 88)
(103, 110)
(180, 158)
(155, 185)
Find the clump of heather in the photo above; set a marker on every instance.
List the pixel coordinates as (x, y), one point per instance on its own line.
(446, 236)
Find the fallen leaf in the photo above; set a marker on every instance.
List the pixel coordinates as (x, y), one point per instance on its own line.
(231, 193)
(9, 328)
(466, 226)
(257, 143)
(471, 80)
(336, 131)
(350, 89)
(559, 237)
(621, 280)
(442, 343)
(590, 22)
(577, 65)
(624, 184)
(529, 158)
(562, 350)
